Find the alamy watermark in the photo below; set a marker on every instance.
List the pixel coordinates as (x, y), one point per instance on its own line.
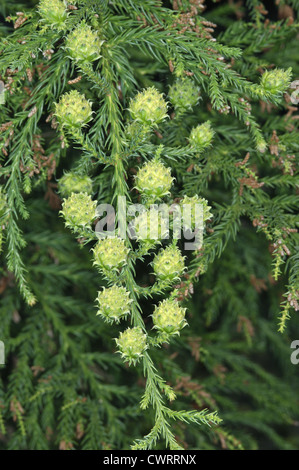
(2, 92)
(295, 354)
(2, 353)
(159, 222)
(295, 94)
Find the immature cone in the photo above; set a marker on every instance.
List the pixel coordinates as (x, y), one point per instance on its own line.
(201, 136)
(197, 208)
(114, 303)
(135, 131)
(150, 226)
(110, 253)
(169, 317)
(79, 210)
(154, 180)
(83, 44)
(72, 183)
(184, 94)
(73, 110)
(53, 12)
(132, 344)
(169, 264)
(276, 81)
(148, 107)
(261, 145)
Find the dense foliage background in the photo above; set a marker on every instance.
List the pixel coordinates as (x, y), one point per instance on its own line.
(62, 385)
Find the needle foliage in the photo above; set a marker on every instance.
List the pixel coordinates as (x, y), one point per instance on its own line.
(137, 342)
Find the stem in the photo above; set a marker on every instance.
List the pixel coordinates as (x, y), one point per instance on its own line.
(153, 382)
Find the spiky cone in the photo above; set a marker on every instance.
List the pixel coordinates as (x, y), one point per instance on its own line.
(73, 183)
(195, 211)
(169, 317)
(78, 210)
(184, 94)
(148, 107)
(261, 145)
(110, 254)
(276, 81)
(136, 132)
(53, 12)
(132, 343)
(154, 180)
(150, 227)
(201, 136)
(169, 264)
(73, 110)
(83, 43)
(114, 304)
